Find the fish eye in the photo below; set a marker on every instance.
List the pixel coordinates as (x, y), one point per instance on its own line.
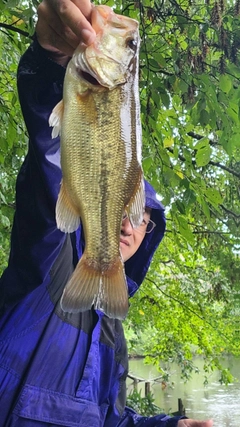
(132, 43)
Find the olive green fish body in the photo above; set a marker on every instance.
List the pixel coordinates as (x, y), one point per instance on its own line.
(102, 177)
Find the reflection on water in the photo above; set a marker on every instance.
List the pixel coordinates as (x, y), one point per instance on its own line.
(216, 401)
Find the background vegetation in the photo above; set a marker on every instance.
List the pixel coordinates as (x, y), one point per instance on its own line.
(189, 86)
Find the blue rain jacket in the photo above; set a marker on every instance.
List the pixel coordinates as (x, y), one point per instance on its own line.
(56, 368)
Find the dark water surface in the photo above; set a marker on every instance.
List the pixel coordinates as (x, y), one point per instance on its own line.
(218, 402)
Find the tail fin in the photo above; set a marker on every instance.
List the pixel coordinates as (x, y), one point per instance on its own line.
(106, 288)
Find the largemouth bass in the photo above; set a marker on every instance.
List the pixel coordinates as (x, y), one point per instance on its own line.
(100, 131)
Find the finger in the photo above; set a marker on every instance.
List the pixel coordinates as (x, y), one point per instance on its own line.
(50, 40)
(50, 35)
(85, 6)
(194, 423)
(72, 14)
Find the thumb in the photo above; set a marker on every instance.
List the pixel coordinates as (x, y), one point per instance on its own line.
(194, 423)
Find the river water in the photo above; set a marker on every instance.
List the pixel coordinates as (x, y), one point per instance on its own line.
(219, 402)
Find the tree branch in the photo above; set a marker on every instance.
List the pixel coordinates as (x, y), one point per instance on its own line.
(230, 212)
(14, 29)
(219, 233)
(8, 205)
(217, 164)
(226, 168)
(199, 137)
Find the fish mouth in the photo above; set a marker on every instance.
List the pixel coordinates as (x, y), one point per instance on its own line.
(84, 71)
(97, 78)
(88, 77)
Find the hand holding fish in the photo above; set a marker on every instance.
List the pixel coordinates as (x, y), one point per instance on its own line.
(194, 423)
(62, 24)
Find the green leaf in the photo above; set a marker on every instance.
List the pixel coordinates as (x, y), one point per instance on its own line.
(184, 44)
(168, 142)
(181, 207)
(203, 155)
(213, 196)
(202, 143)
(204, 117)
(184, 229)
(232, 111)
(147, 163)
(225, 83)
(205, 207)
(165, 98)
(153, 63)
(5, 221)
(189, 197)
(160, 59)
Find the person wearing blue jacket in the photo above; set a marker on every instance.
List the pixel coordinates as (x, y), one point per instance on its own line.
(57, 368)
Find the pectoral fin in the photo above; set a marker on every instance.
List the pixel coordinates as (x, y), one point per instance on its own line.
(55, 119)
(136, 206)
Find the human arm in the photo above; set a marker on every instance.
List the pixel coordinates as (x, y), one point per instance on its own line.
(36, 241)
(132, 419)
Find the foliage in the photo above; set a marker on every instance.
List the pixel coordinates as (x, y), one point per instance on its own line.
(143, 405)
(189, 90)
(15, 28)
(189, 87)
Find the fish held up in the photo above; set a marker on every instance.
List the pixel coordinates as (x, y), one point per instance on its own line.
(99, 125)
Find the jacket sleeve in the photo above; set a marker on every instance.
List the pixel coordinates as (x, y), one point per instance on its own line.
(35, 240)
(131, 419)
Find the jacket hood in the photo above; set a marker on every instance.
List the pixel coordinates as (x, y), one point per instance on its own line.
(137, 266)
